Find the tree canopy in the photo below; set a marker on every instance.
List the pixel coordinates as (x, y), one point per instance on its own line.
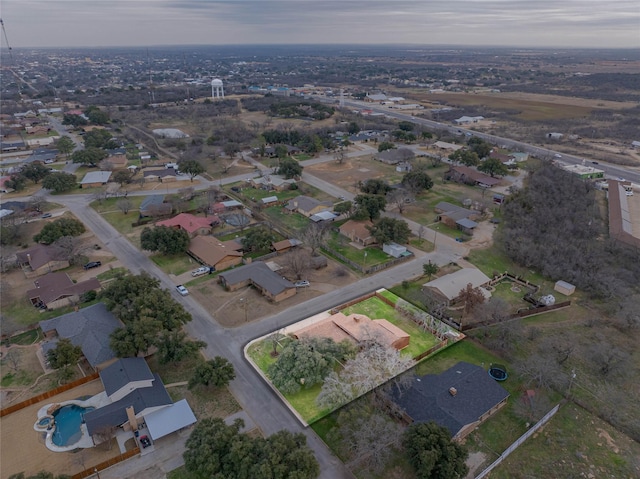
(35, 172)
(90, 156)
(217, 372)
(165, 240)
(306, 362)
(493, 167)
(64, 354)
(59, 228)
(59, 182)
(369, 206)
(257, 239)
(289, 168)
(433, 454)
(417, 181)
(65, 145)
(375, 186)
(192, 168)
(98, 139)
(465, 157)
(390, 230)
(218, 451)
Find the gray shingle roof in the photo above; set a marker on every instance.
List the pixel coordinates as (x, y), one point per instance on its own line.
(124, 371)
(115, 414)
(429, 399)
(88, 328)
(260, 274)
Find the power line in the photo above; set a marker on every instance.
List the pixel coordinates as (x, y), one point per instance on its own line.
(6, 39)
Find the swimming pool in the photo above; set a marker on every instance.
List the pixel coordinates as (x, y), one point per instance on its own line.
(67, 423)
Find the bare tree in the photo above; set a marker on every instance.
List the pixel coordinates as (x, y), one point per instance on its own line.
(314, 236)
(297, 262)
(187, 194)
(13, 358)
(105, 434)
(371, 367)
(471, 297)
(124, 205)
(400, 197)
(339, 155)
(69, 248)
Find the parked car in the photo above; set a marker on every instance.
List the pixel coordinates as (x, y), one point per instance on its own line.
(145, 441)
(301, 284)
(182, 290)
(200, 271)
(558, 155)
(93, 264)
(46, 215)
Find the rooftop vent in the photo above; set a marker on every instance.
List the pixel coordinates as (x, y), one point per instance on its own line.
(453, 391)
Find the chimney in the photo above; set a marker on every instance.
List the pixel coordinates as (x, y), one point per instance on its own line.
(29, 257)
(453, 391)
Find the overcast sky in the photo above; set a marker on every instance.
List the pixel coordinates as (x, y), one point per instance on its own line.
(537, 23)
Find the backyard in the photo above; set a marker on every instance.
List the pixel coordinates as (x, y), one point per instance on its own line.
(304, 401)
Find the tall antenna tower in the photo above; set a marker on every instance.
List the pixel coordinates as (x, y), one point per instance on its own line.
(152, 94)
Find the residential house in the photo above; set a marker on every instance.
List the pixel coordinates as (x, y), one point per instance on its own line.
(395, 156)
(40, 259)
(443, 145)
(140, 404)
(465, 120)
(465, 174)
(307, 206)
(285, 245)
(375, 97)
(194, 225)
(584, 172)
(323, 216)
(214, 253)
(272, 182)
(258, 274)
(269, 200)
(357, 329)
(95, 179)
(460, 399)
(163, 175)
(154, 205)
(554, 136)
(90, 328)
(358, 232)
(447, 288)
(55, 290)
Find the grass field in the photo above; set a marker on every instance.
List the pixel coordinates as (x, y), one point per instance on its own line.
(368, 256)
(174, 264)
(294, 221)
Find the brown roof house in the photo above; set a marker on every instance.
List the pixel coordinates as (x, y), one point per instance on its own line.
(460, 399)
(358, 232)
(357, 328)
(465, 174)
(214, 253)
(39, 260)
(447, 288)
(56, 290)
(307, 206)
(259, 275)
(285, 245)
(194, 225)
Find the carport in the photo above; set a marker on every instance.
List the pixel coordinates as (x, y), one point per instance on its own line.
(169, 419)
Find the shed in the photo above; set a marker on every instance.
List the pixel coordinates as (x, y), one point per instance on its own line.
(466, 225)
(394, 249)
(565, 288)
(269, 199)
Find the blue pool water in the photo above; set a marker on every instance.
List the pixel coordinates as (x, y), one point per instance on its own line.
(68, 420)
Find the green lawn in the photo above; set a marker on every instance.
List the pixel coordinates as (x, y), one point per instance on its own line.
(23, 312)
(374, 255)
(174, 264)
(112, 273)
(121, 222)
(28, 337)
(111, 204)
(294, 221)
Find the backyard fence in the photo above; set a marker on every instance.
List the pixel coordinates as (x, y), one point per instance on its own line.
(515, 279)
(47, 394)
(108, 463)
(518, 441)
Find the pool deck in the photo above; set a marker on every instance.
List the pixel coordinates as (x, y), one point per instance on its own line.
(24, 450)
(96, 401)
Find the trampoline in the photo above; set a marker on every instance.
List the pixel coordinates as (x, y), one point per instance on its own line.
(498, 372)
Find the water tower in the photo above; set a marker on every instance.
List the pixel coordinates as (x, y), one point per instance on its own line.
(217, 90)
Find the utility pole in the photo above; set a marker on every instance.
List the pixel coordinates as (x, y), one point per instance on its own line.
(573, 377)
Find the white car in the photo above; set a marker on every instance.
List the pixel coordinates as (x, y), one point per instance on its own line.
(182, 290)
(200, 271)
(558, 155)
(301, 284)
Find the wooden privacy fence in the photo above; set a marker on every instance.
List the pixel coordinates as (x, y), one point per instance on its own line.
(518, 441)
(47, 394)
(108, 463)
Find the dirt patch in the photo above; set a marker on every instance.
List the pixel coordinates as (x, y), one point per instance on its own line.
(605, 435)
(23, 449)
(235, 308)
(473, 462)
